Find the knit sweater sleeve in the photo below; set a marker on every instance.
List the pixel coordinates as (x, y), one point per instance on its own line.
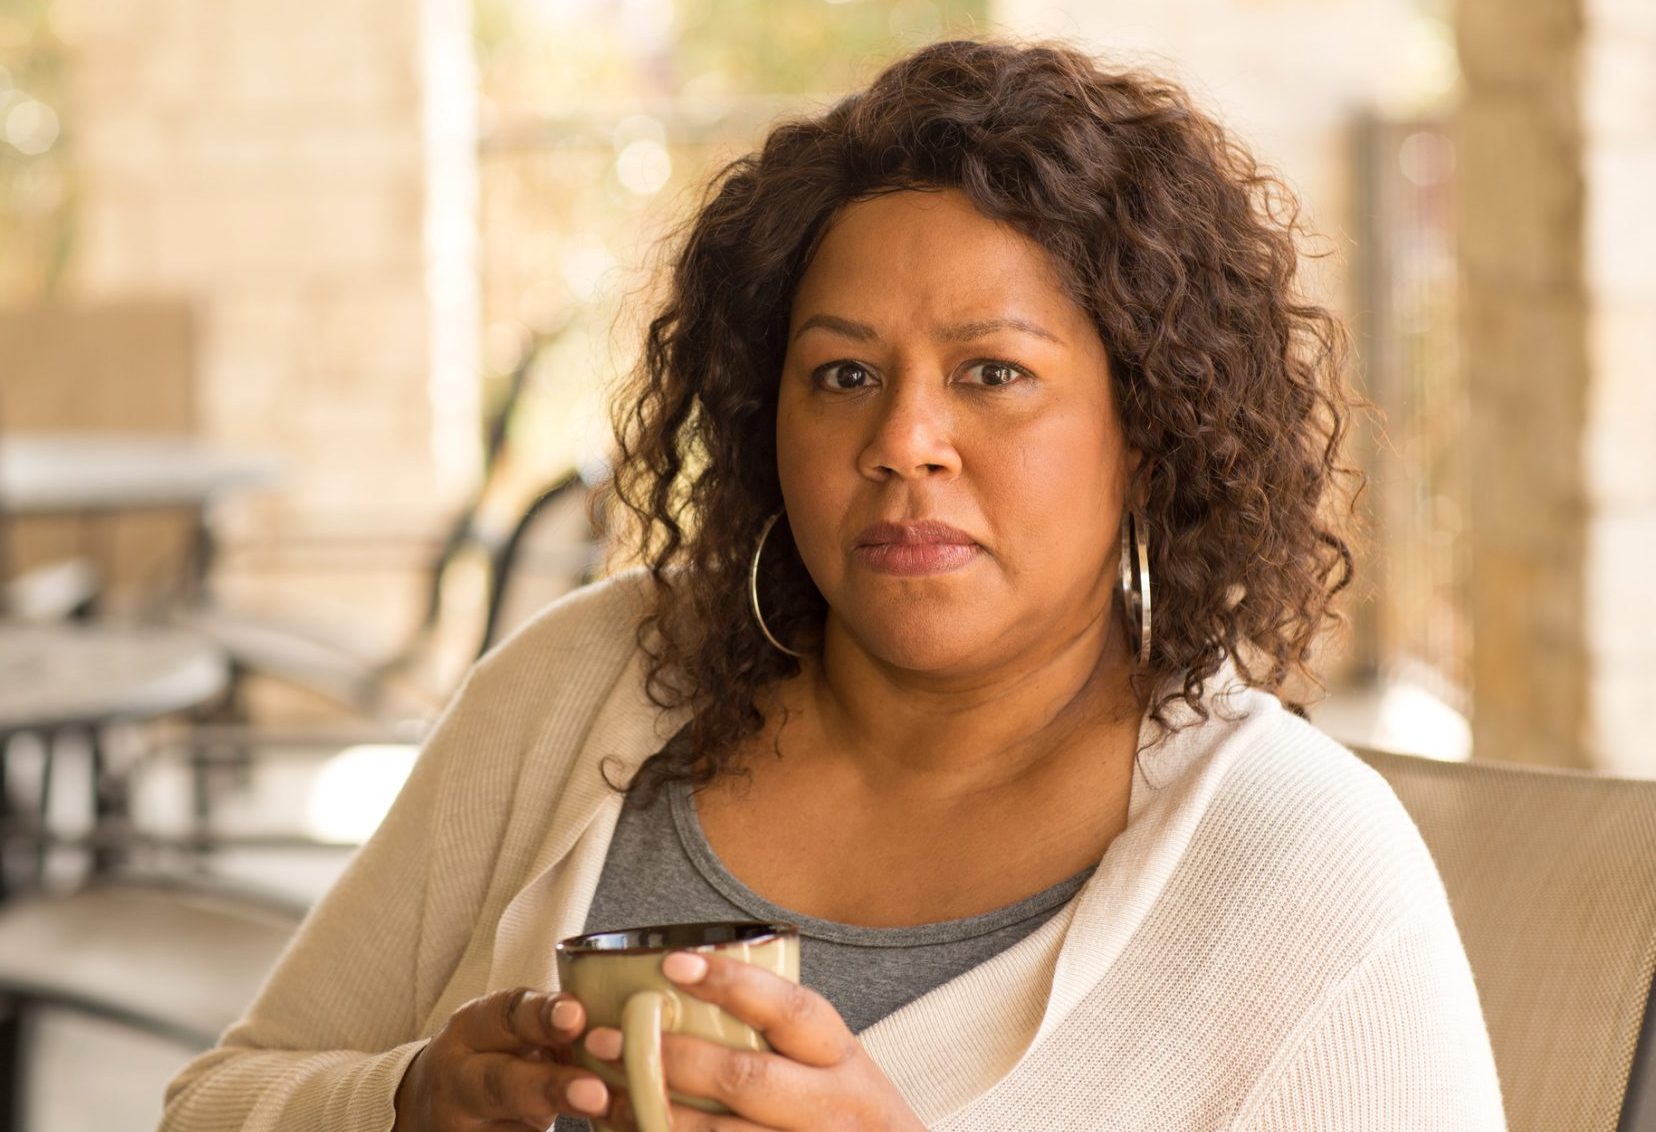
(325, 1042)
(1399, 1044)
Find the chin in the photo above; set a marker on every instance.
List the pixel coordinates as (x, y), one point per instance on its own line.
(921, 641)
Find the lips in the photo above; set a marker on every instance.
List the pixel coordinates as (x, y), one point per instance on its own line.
(911, 549)
(922, 532)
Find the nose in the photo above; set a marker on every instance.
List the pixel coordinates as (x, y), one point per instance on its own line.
(912, 436)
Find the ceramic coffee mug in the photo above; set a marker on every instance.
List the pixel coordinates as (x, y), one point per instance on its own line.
(617, 976)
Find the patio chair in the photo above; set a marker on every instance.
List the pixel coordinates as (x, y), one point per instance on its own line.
(386, 686)
(555, 545)
(177, 962)
(1551, 875)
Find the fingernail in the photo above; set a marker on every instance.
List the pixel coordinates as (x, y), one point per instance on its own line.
(604, 1042)
(565, 1015)
(588, 1094)
(684, 967)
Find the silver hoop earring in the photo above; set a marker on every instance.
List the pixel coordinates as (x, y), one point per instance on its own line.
(1135, 584)
(753, 587)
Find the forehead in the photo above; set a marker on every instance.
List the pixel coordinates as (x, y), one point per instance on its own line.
(929, 250)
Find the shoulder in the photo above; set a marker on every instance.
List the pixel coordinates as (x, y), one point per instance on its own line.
(1309, 916)
(1316, 827)
(1294, 820)
(1301, 866)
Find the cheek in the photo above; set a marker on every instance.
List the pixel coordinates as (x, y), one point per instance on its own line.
(1056, 489)
(809, 458)
(795, 433)
(798, 450)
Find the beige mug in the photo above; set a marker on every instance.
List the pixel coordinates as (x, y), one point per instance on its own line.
(617, 976)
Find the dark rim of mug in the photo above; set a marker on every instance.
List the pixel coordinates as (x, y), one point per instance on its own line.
(678, 937)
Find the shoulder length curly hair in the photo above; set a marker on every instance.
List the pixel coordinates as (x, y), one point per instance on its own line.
(1163, 228)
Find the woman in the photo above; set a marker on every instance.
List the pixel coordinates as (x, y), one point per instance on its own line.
(983, 453)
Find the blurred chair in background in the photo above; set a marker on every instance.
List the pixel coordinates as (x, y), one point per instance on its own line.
(178, 963)
(522, 550)
(394, 688)
(554, 546)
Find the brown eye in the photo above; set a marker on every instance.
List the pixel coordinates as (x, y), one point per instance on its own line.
(996, 374)
(843, 376)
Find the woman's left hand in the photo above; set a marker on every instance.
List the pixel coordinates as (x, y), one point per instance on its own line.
(817, 1075)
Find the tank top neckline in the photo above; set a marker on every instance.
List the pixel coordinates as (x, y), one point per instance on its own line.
(706, 861)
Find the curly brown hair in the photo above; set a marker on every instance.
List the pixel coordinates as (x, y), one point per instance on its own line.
(1164, 228)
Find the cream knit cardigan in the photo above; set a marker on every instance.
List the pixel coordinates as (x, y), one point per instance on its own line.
(1267, 945)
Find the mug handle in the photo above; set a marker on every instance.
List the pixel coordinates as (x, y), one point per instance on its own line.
(642, 1020)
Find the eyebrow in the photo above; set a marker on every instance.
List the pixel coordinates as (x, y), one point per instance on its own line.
(957, 332)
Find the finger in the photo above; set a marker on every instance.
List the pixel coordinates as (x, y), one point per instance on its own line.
(797, 1021)
(766, 1087)
(500, 1086)
(603, 1042)
(514, 1020)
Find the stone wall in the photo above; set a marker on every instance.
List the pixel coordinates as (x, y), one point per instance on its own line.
(1557, 136)
(303, 174)
(1619, 167)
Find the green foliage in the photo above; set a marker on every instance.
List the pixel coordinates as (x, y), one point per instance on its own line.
(557, 52)
(36, 196)
(808, 46)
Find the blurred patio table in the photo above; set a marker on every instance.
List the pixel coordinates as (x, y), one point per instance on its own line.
(97, 473)
(58, 680)
(62, 679)
(56, 676)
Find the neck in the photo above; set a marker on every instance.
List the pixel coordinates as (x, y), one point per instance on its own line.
(952, 736)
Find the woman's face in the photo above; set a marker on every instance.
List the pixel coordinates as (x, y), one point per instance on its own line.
(937, 372)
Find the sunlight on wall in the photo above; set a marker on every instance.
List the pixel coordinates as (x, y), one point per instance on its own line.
(355, 789)
(1412, 719)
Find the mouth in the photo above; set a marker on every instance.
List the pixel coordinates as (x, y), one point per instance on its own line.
(920, 533)
(912, 549)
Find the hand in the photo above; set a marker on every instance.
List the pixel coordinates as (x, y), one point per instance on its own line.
(502, 1062)
(817, 1076)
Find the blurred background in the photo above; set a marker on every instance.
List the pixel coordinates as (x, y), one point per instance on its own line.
(309, 313)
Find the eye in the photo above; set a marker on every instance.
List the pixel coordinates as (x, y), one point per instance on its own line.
(995, 373)
(843, 376)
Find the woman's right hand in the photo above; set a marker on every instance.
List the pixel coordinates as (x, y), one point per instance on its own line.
(500, 1060)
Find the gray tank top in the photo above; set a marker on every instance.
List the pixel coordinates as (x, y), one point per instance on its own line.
(660, 869)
